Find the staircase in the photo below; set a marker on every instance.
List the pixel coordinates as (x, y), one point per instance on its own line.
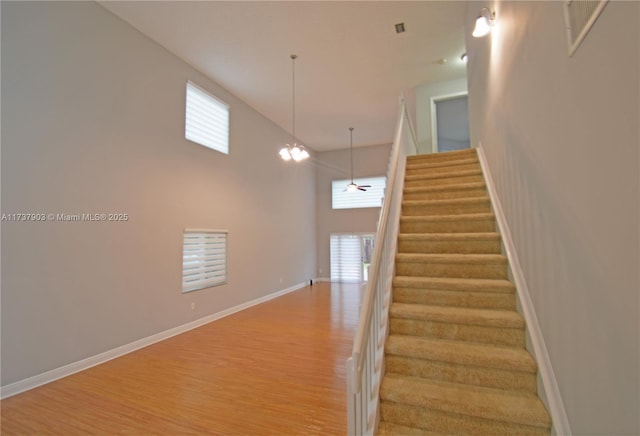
(455, 357)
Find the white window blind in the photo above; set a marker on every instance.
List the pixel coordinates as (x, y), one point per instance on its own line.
(206, 119)
(204, 259)
(372, 197)
(346, 258)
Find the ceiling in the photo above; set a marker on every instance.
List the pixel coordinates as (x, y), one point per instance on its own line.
(352, 66)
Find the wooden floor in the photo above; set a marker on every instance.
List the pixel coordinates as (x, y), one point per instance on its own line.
(277, 369)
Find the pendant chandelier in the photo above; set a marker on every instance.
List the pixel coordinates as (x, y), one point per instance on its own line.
(294, 151)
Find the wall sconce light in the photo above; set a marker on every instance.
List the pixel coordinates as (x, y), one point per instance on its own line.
(484, 23)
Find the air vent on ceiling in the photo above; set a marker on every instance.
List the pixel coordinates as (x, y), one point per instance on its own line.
(579, 16)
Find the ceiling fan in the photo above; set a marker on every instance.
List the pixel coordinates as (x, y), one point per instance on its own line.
(353, 187)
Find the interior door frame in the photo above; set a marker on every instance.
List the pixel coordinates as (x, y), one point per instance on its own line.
(434, 116)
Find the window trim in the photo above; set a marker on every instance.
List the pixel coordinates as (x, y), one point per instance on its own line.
(219, 254)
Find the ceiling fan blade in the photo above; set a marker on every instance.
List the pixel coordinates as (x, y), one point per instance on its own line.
(361, 188)
(352, 187)
(365, 186)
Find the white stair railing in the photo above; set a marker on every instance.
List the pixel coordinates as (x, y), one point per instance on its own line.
(365, 366)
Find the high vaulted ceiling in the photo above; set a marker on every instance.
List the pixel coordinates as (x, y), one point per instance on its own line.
(352, 66)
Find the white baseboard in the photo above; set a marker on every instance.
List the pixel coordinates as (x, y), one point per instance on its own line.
(328, 280)
(72, 368)
(548, 378)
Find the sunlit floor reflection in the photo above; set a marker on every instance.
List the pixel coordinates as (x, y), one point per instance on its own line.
(275, 368)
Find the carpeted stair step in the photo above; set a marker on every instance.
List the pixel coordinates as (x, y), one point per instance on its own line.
(438, 291)
(460, 409)
(474, 364)
(450, 424)
(442, 192)
(442, 168)
(464, 243)
(431, 164)
(479, 266)
(499, 327)
(441, 291)
(452, 178)
(442, 157)
(466, 223)
(388, 429)
(455, 359)
(446, 207)
(455, 284)
(427, 165)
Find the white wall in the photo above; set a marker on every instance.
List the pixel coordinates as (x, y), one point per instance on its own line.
(424, 94)
(368, 161)
(561, 137)
(93, 122)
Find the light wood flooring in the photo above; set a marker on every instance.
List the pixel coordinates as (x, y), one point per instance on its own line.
(277, 368)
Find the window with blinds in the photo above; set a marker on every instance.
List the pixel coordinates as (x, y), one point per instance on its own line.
(372, 197)
(350, 257)
(580, 16)
(346, 263)
(206, 119)
(204, 259)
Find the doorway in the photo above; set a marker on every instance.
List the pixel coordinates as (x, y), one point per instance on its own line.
(450, 123)
(351, 257)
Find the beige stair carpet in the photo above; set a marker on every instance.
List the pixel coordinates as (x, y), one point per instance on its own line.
(455, 358)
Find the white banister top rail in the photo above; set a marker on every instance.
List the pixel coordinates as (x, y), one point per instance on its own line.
(360, 340)
(412, 132)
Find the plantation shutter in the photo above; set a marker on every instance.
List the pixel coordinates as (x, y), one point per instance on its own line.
(204, 259)
(580, 16)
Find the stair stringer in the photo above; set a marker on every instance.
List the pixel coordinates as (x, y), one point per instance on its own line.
(548, 388)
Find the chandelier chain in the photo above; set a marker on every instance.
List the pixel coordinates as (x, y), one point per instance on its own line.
(351, 147)
(293, 151)
(293, 93)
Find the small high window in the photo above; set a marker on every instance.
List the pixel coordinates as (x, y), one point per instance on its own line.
(206, 119)
(372, 197)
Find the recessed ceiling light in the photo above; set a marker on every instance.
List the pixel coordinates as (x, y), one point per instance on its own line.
(400, 28)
